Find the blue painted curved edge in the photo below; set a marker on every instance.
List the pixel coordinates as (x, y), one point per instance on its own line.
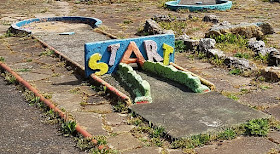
(174, 5)
(18, 27)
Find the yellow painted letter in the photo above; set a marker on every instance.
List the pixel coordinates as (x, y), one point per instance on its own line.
(92, 63)
(166, 53)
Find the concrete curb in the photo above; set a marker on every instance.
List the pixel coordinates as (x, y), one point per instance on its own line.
(17, 27)
(174, 5)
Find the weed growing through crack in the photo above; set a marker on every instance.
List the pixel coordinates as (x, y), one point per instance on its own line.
(68, 127)
(10, 78)
(120, 107)
(47, 52)
(235, 71)
(257, 127)
(23, 70)
(2, 59)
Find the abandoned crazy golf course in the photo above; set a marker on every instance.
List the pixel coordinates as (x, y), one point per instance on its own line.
(126, 95)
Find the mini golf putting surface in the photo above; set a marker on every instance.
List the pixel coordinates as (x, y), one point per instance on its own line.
(181, 112)
(70, 45)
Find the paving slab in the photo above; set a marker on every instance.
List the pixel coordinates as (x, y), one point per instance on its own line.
(241, 145)
(183, 113)
(275, 111)
(144, 150)
(91, 122)
(124, 142)
(274, 136)
(114, 119)
(122, 128)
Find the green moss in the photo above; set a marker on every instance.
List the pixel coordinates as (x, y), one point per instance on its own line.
(173, 74)
(140, 88)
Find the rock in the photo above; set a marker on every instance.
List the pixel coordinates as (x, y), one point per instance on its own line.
(191, 45)
(266, 27)
(274, 57)
(258, 47)
(215, 53)
(211, 18)
(271, 73)
(152, 27)
(243, 64)
(248, 30)
(206, 43)
(162, 18)
(183, 37)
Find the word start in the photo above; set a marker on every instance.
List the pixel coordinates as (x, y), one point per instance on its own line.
(103, 57)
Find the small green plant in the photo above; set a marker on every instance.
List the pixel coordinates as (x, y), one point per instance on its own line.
(47, 52)
(135, 121)
(120, 107)
(2, 59)
(127, 21)
(47, 95)
(158, 132)
(228, 134)
(263, 59)
(230, 95)
(235, 71)
(10, 78)
(242, 55)
(179, 46)
(23, 70)
(68, 127)
(217, 61)
(9, 33)
(257, 127)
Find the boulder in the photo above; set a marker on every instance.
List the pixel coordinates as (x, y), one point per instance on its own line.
(162, 18)
(152, 27)
(191, 44)
(211, 18)
(274, 57)
(258, 47)
(248, 30)
(243, 64)
(215, 53)
(206, 43)
(271, 73)
(266, 27)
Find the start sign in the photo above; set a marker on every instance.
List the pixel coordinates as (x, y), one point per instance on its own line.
(104, 57)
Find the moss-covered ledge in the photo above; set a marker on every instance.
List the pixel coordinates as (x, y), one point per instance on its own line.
(139, 87)
(173, 74)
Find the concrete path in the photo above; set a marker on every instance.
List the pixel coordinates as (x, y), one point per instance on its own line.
(22, 130)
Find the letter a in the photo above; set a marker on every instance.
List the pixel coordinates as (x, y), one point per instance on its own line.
(132, 47)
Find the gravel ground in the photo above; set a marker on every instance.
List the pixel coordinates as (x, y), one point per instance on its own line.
(22, 130)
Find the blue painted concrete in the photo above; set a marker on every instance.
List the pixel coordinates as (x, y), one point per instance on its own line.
(224, 5)
(93, 22)
(102, 48)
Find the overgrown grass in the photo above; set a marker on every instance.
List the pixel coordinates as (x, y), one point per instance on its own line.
(255, 127)
(236, 44)
(180, 46)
